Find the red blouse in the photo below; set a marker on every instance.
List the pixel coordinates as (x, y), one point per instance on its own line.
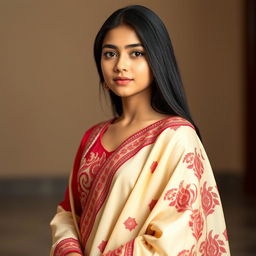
(81, 180)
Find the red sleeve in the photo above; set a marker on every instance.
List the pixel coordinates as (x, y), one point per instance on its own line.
(66, 202)
(66, 246)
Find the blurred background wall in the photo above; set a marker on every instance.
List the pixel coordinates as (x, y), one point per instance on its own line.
(49, 85)
(49, 96)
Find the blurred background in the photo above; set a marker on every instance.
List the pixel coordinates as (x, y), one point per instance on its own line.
(49, 96)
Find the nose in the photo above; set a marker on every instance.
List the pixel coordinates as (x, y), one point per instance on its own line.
(121, 64)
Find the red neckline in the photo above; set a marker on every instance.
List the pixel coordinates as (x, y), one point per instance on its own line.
(132, 135)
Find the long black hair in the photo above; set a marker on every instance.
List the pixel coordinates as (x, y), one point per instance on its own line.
(167, 96)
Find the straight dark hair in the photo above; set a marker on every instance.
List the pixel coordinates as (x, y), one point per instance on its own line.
(168, 95)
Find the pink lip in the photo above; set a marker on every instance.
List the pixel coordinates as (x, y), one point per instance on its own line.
(122, 80)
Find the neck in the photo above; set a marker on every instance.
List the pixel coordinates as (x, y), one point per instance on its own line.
(137, 108)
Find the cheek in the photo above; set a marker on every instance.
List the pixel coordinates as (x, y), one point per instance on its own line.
(143, 71)
(104, 69)
(143, 68)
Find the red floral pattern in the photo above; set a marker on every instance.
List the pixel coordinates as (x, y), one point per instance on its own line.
(183, 198)
(187, 252)
(130, 223)
(194, 161)
(103, 180)
(153, 166)
(115, 252)
(209, 199)
(212, 246)
(125, 250)
(196, 223)
(152, 204)
(129, 248)
(102, 245)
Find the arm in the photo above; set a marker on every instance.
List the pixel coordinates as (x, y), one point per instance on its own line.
(64, 234)
(65, 237)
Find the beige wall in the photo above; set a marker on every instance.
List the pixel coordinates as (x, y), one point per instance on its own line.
(49, 85)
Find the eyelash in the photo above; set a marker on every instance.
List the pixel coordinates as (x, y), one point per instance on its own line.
(141, 53)
(106, 54)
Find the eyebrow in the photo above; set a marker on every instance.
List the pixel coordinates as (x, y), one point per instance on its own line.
(127, 46)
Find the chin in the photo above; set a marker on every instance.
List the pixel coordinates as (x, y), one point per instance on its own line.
(121, 94)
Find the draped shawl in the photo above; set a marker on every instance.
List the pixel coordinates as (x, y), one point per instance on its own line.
(154, 195)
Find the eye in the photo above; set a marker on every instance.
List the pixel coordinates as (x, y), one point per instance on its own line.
(137, 53)
(109, 54)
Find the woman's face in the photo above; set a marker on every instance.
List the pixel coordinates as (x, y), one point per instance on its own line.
(124, 64)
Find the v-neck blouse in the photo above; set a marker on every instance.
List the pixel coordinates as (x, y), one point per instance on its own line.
(98, 146)
(96, 156)
(98, 143)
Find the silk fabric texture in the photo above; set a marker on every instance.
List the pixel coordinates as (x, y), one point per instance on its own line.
(154, 195)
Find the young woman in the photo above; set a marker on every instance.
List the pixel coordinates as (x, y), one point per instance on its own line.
(141, 182)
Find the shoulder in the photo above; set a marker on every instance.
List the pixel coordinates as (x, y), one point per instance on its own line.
(99, 125)
(175, 122)
(176, 126)
(95, 129)
(179, 131)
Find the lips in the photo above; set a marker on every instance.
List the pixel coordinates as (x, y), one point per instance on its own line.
(122, 78)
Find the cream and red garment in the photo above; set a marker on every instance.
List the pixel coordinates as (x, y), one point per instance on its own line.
(154, 195)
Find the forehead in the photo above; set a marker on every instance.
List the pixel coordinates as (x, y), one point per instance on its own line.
(121, 35)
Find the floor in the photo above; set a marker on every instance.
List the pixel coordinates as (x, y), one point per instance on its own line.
(25, 231)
